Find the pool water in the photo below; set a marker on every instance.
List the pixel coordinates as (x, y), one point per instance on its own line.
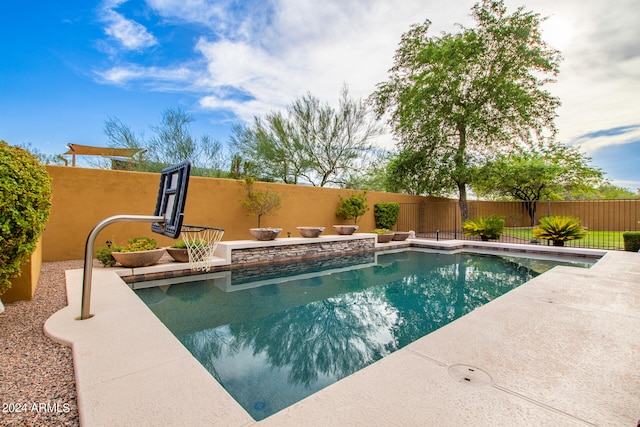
(287, 332)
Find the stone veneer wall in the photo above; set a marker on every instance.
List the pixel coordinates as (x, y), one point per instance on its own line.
(300, 251)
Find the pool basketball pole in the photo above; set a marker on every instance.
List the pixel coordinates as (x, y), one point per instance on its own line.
(88, 254)
(167, 220)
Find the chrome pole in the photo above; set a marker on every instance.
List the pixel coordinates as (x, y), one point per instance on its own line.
(88, 255)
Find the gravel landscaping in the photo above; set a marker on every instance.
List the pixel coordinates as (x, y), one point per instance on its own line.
(37, 385)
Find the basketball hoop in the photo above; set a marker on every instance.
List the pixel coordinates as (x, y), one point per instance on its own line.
(201, 243)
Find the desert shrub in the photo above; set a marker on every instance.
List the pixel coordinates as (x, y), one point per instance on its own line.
(490, 227)
(25, 205)
(559, 229)
(381, 231)
(352, 207)
(386, 214)
(103, 254)
(140, 244)
(631, 241)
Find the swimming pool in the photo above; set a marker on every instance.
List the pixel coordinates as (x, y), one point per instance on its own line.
(273, 338)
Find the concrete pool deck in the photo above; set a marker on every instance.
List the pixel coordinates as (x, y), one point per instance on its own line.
(561, 349)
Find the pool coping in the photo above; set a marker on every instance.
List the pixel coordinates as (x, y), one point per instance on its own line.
(130, 370)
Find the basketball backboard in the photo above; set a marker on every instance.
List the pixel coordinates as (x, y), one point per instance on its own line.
(172, 196)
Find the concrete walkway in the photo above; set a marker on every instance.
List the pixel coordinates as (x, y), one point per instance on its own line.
(560, 350)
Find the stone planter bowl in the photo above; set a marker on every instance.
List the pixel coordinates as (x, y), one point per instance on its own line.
(179, 254)
(265, 233)
(345, 229)
(138, 259)
(310, 231)
(400, 235)
(385, 238)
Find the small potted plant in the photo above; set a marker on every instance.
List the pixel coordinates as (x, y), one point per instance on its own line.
(352, 207)
(559, 229)
(139, 252)
(486, 228)
(261, 203)
(178, 251)
(384, 235)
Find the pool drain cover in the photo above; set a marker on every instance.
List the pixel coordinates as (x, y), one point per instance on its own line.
(470, 375)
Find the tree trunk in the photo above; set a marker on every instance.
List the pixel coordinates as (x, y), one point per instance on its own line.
(531, 207)
(462, 202)
(461, 180)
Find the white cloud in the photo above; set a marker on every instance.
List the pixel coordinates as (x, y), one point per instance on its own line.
(593, 142)
(171, 79)
(130, 34)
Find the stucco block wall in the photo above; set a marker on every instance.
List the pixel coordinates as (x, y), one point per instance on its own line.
(83, 197)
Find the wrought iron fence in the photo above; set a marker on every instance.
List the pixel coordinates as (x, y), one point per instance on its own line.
(605, 220)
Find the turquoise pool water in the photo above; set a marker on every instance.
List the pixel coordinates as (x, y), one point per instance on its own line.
(272, 336)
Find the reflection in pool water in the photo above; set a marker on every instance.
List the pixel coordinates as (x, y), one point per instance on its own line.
(272, 345)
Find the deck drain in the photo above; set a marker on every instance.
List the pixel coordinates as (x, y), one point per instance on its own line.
(470, 375)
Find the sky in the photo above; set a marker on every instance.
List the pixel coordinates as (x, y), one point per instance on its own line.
(69, 65)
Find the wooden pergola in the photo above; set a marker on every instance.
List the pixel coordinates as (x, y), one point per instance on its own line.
(109, 152)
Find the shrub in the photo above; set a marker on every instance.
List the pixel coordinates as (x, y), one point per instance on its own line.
(140, 244)
(386, 214)
(103, 254)
(381, 231)
(559, 229)
(181, 244)
(25, 205)
(353, 207)
(631, 241)
(490, 227)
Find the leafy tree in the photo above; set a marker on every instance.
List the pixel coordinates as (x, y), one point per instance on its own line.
(458, 99)
(609, 191)
(260, 202)
(415, 172)
(45, 159)
(311, 142)
(172, 143)
(552, 174)
(353, 207)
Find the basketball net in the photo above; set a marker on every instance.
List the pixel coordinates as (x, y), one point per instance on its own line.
(201, 244)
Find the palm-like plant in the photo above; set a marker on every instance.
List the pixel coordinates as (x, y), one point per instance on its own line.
(490, 227)
(559, 229)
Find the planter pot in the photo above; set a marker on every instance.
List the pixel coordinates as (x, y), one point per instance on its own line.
(179, 255)
(345, 229)
(558, 243)
(138, 259)
(401, 235)
(385, 238)
(265, 233)
(310, 231)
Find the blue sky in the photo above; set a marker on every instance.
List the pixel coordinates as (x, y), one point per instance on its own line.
(69, 65)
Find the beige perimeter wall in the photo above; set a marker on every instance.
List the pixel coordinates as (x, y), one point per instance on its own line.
(84, 197)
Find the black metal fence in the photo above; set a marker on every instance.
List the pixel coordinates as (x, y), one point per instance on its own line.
(605, 220)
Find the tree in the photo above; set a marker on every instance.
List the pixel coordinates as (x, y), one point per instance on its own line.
(260, 202)
(460, 99)
(312, 142)
(171, 144)
(610, 191)
(353, 207)
(551, 174)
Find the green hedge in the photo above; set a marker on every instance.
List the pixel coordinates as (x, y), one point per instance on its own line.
(25, 204)
(631, 241)
(386, 214)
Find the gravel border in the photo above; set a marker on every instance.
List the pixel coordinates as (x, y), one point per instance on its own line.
(37, 385)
